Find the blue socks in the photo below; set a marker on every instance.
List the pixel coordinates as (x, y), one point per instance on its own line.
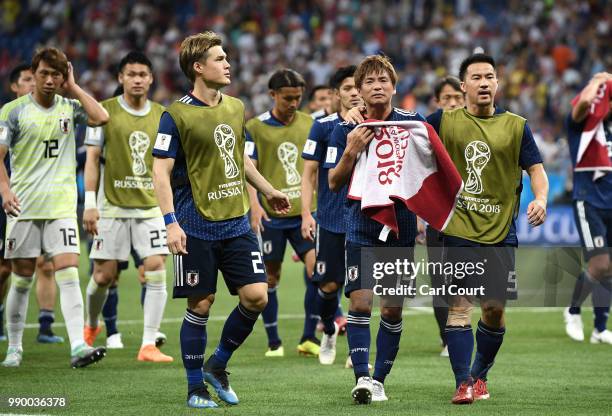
(109, 312)
(143, 293)
(238, 326)
(1, 319)
(327, 305)
(270, 319)
(582, 289)
(310, 309)
(358, 337)
(193, 343)
(387, 346)
(339, 312)
(602, 294)
(488, 342)
(460, 343)
(46, 319)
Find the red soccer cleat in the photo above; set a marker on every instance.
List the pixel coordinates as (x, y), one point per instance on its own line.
(90, 334)
(480, 390)
(464, 394)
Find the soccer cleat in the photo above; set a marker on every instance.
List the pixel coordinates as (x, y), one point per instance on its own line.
(85, 355)
(349, 363)
(480, 390)
(464, 394)
(13, 357)
(603, 337)
(151, 353)
(341, 322)
(573, 325)
(444, 352)
(160, 339)
(217, 378)
(114, 342)
(200, 399)
(327, 350)
(49, 338)
(362, 392)
(378, 392)
(275, 352)
(309, 348)
(90, 334)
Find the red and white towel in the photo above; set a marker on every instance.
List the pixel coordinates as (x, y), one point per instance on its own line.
(405, 161)
(592, 150)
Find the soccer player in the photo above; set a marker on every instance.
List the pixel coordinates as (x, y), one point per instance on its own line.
(449, 96)
(490, 147)
(320, 101)
(375, 78)
(593, 212)
(41, 197)
(331, 211)
(200, 169)
(22, 83)
(274, 139)
(125, 212)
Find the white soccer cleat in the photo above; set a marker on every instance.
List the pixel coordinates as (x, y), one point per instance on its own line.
(444, 352)
(349, 363)
(327, 353)
(114, 342)
(573, 326)
(13, 357)
(378, 392)
(603, 337)
(362, 392)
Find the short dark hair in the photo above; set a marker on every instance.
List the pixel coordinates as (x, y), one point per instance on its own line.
(474, 59)
(340, 75)
(315, 89)
(53, 57)
(448, 80)
(135, 57)
(16, 72)
(285, 77)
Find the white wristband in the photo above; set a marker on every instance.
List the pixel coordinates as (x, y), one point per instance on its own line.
(90, 199)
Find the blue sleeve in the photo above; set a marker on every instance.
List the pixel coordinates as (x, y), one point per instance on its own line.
(337, 144)
(249, 146)
(529, 155)
(435, 119)
(315, 146)
(168, 140)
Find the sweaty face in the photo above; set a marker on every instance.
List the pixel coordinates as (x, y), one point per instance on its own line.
(450, 98)
(348, 94)
(377, 88)
(287, 100)
(320, 101)
(25, 84)
(136, 79)
(214, 70)
(48, 79)
(480, 84)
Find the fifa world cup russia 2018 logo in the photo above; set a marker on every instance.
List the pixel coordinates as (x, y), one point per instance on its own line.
(139, 144)
(225, 139)
(288, 155)
(477, 155)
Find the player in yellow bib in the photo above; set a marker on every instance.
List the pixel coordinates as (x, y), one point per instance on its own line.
(126, 212)
(41, 196)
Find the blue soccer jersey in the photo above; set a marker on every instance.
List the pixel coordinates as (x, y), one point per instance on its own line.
(360, 229)
(331, 206)
(187, 214)
(597, 193)
(529, 155)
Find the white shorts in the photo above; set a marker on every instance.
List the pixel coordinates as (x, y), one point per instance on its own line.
(116, 236)
(28, 239)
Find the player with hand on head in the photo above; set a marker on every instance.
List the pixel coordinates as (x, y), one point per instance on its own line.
(41, 197)
(200, 171)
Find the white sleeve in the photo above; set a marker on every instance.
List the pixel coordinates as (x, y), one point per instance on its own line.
(94, 136)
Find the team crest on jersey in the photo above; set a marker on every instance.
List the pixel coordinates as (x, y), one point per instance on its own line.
(64, 123)
(98, 243)
(321, 266)
(267, 247)
(353, 273)
(193, 278)
(10, 244)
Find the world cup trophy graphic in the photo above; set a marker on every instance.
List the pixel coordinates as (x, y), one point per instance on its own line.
(225, 139)
(477, 155)
(139, 144)
(288, 154)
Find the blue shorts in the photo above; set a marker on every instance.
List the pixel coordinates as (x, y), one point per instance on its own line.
(595, 228)
(496, 274)
(238, 259)
(275, 241)
(2, 231)
(329, 248)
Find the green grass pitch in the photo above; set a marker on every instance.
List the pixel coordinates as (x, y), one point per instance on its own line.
(538, 371)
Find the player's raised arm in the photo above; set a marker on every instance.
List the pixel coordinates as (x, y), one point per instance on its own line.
(588, 95)
(536, 210)
(357, 140)
(176, 238)
(91, 215)
(97, 115)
